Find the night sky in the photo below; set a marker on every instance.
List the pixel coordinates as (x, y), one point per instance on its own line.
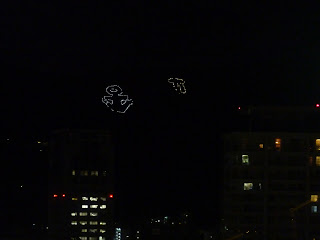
(57, 61)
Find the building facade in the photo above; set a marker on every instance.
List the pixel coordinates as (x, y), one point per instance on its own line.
(266, 174)
(81, 185)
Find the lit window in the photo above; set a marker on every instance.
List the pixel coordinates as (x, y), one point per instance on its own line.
(102, 230)
(83, 222)
(93, 199)
(102, 223)
(83, 238)
(314, 198)
(84, 230)
(318, 160)
(318, 144)
(74, 199)
(73, 172)
(93, 230)
(260, 145)
(314, 209)
(74, 223)
(93, 206)
(93, 238)
(93, 214)
(103, 198)
(102, 238)
(260, 186)
(103, 206)
(278, 143)
(83, 214)
(74, 214)
(93, 223)
(85, 198)
(84, 173)
(94, 173)
(84, 206)
(245, 159)
(247, 186)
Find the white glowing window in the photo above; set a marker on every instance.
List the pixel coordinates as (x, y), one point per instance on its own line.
(93, 206)
(85, 198)
(94, 173)
(83, 238)
(74, 223)
(83, 222)
(83, 214)
(103, 206)
(93, 230)
(102, 223)
(247, 186)
(245, 159)
(102, 230)
(93, 223)
(84, 230)
(84, 206)
(93, 199)
(103, 198)
(93, 214)
(73, 214)
(314, 209)
(102, 238)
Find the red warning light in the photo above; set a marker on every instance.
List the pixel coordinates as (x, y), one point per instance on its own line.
(111, 196)
(239, 108)
(63, 195)
(317, 105)
(55, 195)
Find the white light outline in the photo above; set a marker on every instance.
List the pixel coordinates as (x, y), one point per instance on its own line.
(180, 85)
(122, 101)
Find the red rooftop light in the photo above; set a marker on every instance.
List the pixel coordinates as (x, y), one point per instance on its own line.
(317, 105)
(55, 195)
(239, 108)
(63, 195)
(111, 196)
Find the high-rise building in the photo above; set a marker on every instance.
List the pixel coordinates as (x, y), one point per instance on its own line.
(81, 185)
(267, 173)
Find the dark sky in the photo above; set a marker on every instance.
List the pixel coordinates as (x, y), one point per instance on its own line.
(57, 61)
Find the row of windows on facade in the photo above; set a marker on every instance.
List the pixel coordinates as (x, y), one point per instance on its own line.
(94, 206)
(277, 144)
(88, 238)
(95, 230)
(91, 198)
(92, 214)
(86, 173)
(245, 160)
(86, 222)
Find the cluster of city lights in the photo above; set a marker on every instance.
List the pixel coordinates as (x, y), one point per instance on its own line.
(63, 195)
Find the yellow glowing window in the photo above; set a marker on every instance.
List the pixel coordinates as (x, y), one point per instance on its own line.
(102, 223)
(278, 143)
(84, 173)
(84, 230)
(94, 230)
(102, 230)
(83, 238)
(74, 199)
(74, 223)
(74, 214)
(85, 198)
(103, 198)
(103, 206)
(93, 199)
(73, 172)
(94, 173)
(84, 206)
(318, 160)
(318, 144)
(83, 214)
(93, 223)
(83, 222)
(314, 198)
(93, 206)
(260, 145)
(93, 214)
